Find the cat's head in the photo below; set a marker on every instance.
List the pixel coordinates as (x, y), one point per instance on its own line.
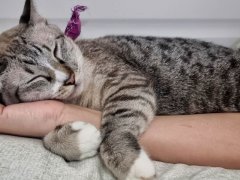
(37, 61)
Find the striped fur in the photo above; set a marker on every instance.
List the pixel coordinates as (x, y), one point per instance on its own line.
(130, 79)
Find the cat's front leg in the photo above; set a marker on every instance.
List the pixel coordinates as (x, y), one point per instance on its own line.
(126, 114)
(74, 141)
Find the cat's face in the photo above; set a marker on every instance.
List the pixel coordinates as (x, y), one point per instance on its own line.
(37, 61)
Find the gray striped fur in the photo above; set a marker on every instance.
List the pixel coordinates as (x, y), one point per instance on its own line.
(129, 78)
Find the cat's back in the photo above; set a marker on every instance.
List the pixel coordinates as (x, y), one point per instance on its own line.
(190, 76)
(148, 53)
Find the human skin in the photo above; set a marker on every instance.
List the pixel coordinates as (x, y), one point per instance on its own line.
(209, 139)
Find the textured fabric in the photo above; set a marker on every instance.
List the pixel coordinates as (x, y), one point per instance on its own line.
(26, 159)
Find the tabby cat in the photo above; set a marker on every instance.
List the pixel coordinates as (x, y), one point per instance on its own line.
(130, 79)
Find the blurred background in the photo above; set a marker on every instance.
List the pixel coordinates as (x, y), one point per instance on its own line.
(211, 20)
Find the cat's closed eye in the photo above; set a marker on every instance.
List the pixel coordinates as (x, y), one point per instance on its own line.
(39, 78)
(29, 62)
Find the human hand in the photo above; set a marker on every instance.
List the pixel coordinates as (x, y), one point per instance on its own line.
(37, 119)
(31, 119)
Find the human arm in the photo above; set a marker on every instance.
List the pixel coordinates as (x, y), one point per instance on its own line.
(203, 139)
(210, 139)
(37, 119)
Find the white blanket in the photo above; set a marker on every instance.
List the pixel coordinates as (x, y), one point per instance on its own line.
(26, 159)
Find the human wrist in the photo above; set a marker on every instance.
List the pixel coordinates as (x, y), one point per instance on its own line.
(72, 113)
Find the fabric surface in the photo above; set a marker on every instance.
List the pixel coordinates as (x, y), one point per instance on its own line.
(26, 159)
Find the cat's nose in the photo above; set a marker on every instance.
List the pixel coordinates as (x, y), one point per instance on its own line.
(70, 80)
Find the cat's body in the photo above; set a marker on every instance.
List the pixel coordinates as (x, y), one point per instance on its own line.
(188, 76)
(130, 79)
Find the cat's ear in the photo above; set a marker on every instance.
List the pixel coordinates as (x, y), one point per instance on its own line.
(30, 15)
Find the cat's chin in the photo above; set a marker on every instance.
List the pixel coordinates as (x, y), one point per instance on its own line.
(76, 92)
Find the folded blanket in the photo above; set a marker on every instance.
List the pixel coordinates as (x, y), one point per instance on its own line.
(26, 159)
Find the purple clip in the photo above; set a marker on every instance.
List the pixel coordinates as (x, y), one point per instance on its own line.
(73, 29)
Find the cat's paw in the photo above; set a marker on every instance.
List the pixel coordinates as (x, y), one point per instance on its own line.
(142, 169)
(89, 138)
(74, 141)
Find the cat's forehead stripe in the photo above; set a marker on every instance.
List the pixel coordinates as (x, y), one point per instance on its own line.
(47, 48)
(60, 36)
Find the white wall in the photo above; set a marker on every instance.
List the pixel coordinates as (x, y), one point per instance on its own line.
(134, 9)
(213, 20)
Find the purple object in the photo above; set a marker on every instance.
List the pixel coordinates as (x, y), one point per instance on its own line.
(73, 29)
